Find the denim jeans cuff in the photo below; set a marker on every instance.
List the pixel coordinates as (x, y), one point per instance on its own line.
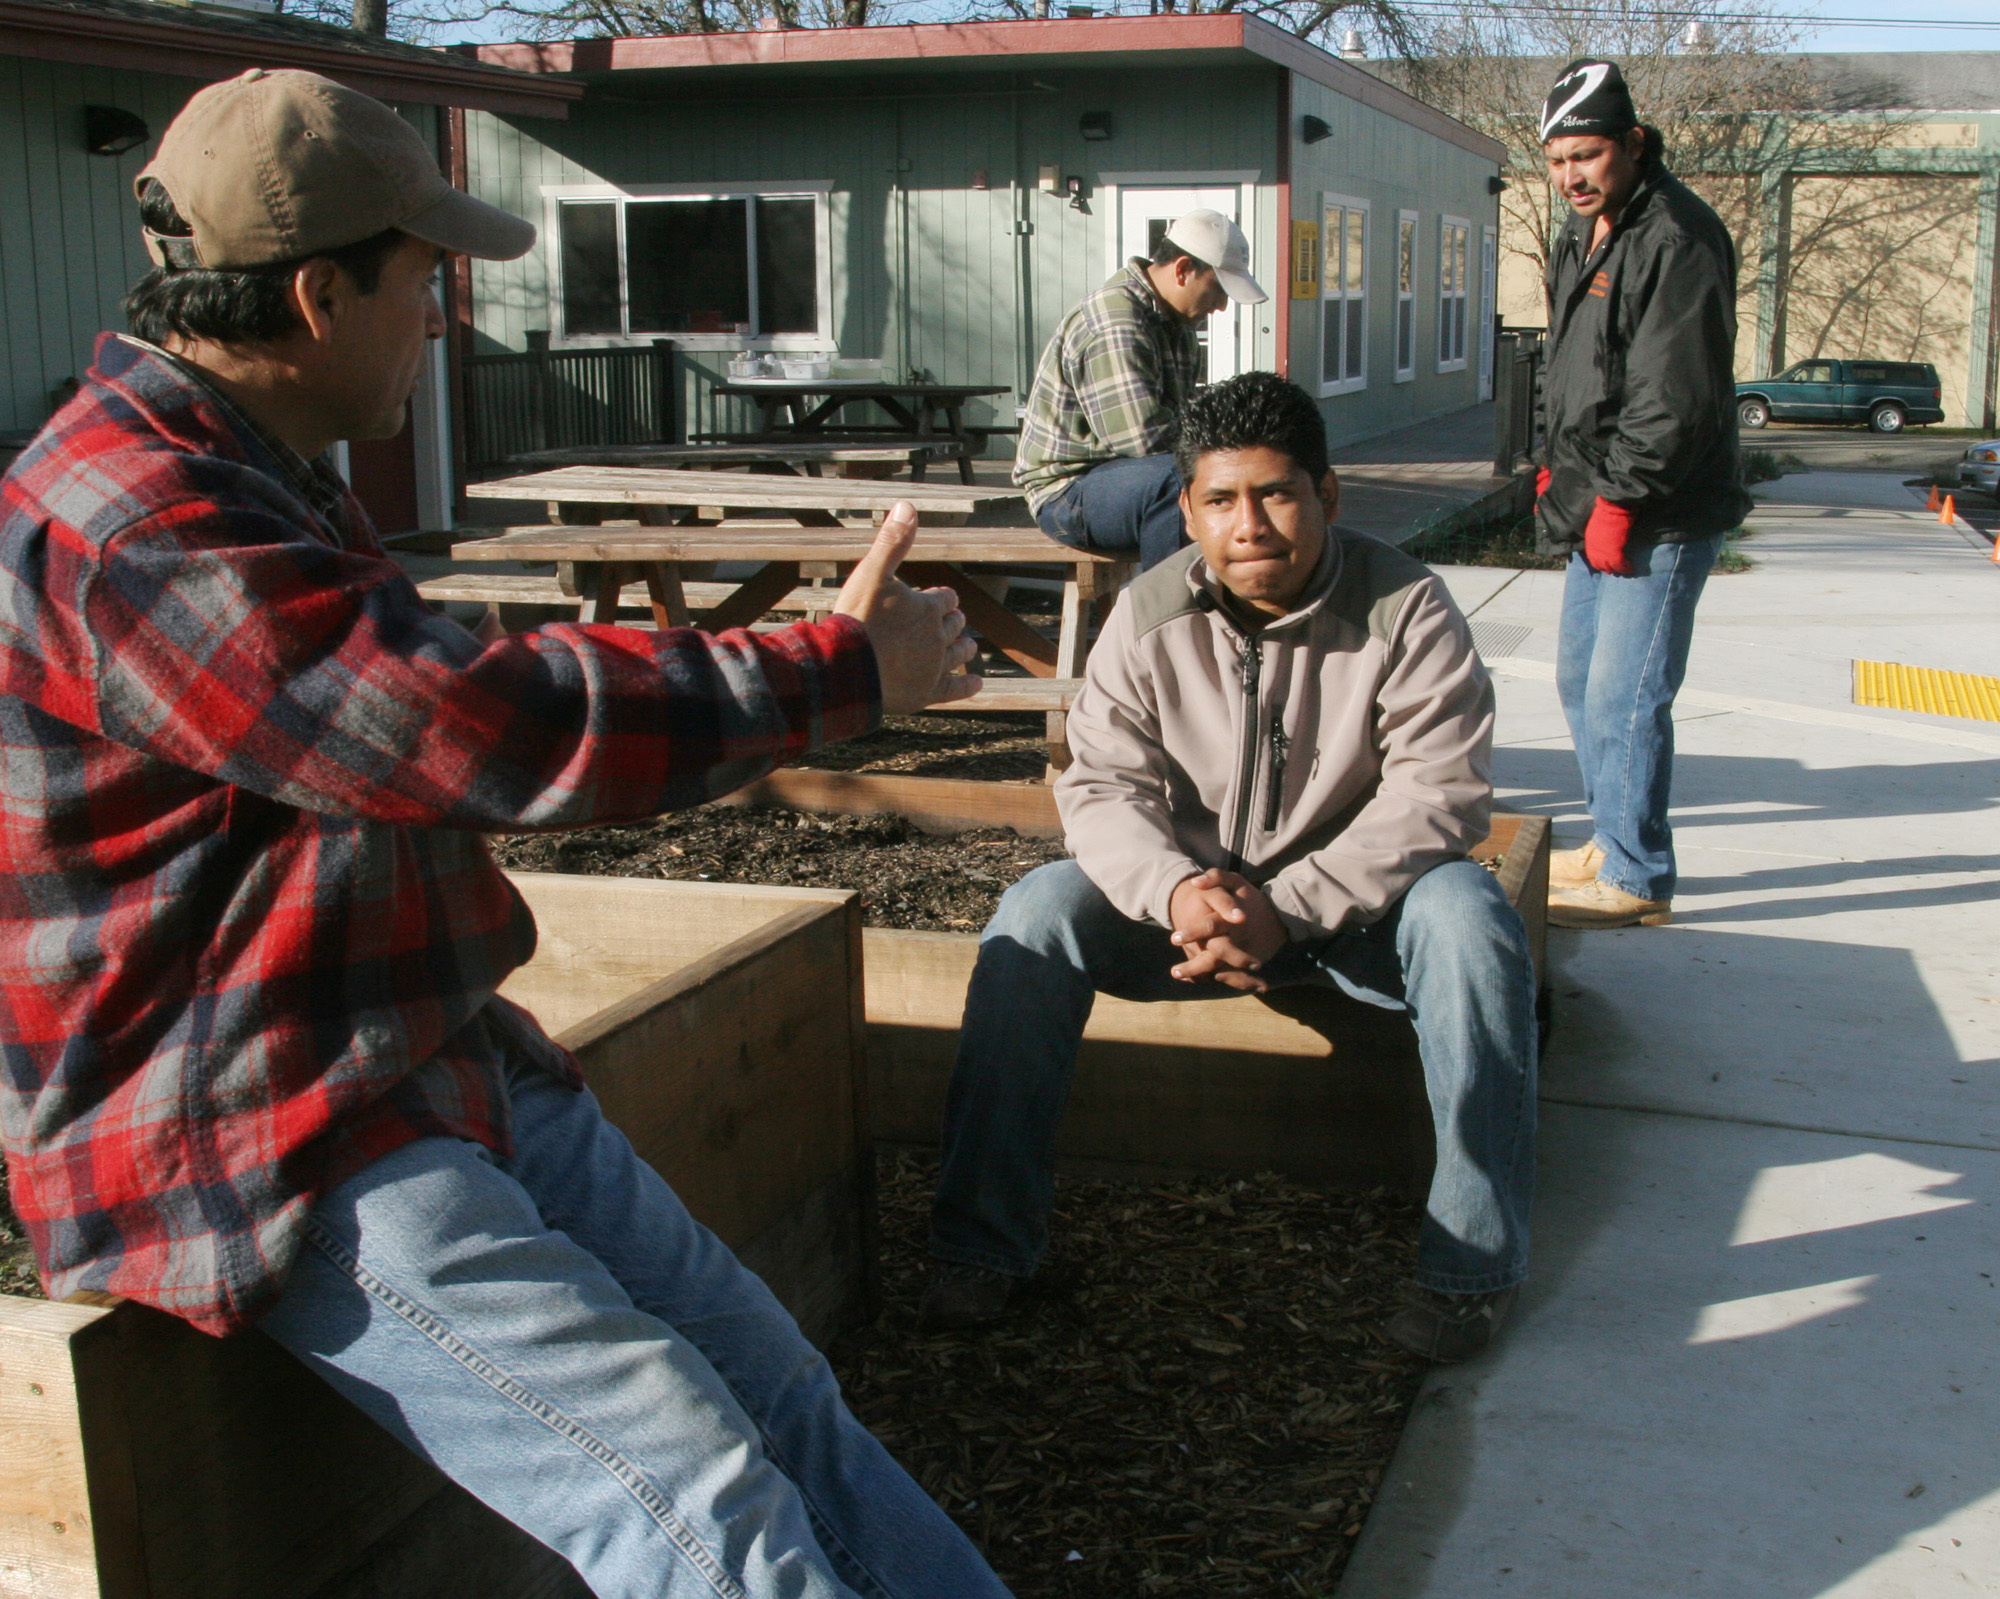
(952, 1255)
(1440, 1282)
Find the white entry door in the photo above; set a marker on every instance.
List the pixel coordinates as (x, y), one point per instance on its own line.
(1489, 290)
(1145, 214)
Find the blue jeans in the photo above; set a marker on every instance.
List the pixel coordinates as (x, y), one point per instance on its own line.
(1619, 664)
(554, 1332)
(1451, 951)
(1127, 504)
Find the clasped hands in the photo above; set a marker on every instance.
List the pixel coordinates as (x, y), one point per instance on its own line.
(1227, 928)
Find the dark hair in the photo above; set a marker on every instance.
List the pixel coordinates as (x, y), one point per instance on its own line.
(1258, 410)
(1655, 148)
(1166, 253)
(247, 305)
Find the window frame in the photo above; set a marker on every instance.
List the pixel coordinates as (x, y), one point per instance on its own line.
(818, 190)
(1454, 326)
(1411, 221)
(1341, 296)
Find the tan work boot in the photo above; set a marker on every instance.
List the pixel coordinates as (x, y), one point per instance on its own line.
(1597, 904)
(1571, 868)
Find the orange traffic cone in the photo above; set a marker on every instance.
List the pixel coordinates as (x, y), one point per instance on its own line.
(1950, 512)
(1995, 556)
(1933, 502)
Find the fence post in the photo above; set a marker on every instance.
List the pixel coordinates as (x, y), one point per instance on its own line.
(1530, 358)
(1505, 398)
(668, 391)
(539, 389)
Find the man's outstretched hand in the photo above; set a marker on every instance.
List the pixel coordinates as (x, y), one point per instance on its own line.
(1227, 928)
(918, 634)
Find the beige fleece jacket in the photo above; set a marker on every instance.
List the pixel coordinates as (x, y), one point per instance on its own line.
(1332, 760)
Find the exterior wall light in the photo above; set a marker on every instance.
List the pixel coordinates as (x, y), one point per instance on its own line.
(1314, 129)
(112, 130)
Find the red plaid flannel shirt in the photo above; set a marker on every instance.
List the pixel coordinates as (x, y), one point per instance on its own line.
(250, 932)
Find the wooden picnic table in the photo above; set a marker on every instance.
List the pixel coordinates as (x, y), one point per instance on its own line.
(812, 407)
(603, 561)
(803, 459)
(665, 497)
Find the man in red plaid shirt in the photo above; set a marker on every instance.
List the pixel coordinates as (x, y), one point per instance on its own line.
(255, 1068)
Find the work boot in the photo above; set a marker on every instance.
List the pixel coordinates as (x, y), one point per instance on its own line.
(1597, 904)
(966, 1296)
(1572, 868)
(1447, 1328)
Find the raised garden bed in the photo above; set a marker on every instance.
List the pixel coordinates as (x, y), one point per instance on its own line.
(1196, 1401)
(720, 1026)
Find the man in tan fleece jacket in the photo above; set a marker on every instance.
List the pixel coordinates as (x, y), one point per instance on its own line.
(1280, 761)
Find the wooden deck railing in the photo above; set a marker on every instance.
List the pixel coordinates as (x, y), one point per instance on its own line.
(545, 399)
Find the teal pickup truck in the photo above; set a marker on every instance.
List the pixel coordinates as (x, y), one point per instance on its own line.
(1887, 395)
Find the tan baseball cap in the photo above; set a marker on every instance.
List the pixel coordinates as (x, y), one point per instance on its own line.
(277, 166)
(1211, 237)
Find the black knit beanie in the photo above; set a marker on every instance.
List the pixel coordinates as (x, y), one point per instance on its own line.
(1589, 97)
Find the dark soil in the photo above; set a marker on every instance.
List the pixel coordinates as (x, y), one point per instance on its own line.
(906, 877)
(987, 749)
(1195, 1401)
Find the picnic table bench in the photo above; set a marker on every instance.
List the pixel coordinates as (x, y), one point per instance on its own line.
(802, 458)
(668, 497)
(606, 560)
(1040, 694)
(811, 409)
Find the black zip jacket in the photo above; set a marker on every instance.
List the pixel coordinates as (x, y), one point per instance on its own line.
(1639, 387)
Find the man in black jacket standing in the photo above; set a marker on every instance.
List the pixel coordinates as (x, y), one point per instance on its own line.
(1641, 479)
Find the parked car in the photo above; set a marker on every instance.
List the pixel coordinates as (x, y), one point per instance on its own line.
(1979, 470)
(1887, 395)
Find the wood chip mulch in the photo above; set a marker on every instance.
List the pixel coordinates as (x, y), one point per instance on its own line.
(1195, 1400)
(17, 1261)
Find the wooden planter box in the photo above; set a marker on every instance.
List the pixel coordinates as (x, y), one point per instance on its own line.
(720, 1026)
(1306, 1082)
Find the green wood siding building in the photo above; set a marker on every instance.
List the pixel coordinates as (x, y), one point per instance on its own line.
(968, 184)
(70, 245)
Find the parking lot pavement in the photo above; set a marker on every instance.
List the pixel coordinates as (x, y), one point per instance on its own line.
(1856, 449)
(1756, 1356)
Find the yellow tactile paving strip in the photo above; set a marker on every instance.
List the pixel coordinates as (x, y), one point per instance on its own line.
(1924, 688)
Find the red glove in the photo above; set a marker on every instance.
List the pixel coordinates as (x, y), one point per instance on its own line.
(1541, 482)
(1604, 537)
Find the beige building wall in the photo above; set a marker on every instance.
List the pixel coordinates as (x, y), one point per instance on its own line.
(1881, 266)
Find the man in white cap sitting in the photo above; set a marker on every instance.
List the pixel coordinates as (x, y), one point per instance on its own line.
(1096, 451)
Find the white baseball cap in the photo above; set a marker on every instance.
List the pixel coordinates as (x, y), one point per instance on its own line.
(1211, 237)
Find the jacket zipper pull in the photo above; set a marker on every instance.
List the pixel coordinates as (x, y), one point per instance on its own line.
(1281, 743)
(1251, 667)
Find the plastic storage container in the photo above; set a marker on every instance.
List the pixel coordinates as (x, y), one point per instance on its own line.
(809, 368)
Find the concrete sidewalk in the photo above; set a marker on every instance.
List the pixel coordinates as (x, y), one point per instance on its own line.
(1760, 1354)
(1427, 476)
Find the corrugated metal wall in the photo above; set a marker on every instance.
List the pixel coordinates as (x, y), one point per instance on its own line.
(1389, 164)
(923, 263)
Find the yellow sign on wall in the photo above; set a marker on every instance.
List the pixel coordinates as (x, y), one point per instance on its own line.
(1305, 260)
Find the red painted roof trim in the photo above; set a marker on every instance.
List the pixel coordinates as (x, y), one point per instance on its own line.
(997, 41)
(911, 41)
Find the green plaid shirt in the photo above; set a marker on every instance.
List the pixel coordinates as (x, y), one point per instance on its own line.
(1111, 383)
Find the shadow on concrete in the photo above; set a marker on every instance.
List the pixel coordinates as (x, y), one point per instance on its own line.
(1544, 781)
(1753, 1359)
(1771, 885)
